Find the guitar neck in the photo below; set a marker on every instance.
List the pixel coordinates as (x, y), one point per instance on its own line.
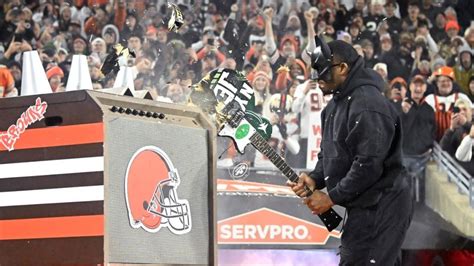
(262, 145)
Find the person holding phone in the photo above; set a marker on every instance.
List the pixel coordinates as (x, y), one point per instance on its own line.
(465, 150)
(461, 126)
(209, 49)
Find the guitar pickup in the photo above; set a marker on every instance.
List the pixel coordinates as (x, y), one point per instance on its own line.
(236, 118)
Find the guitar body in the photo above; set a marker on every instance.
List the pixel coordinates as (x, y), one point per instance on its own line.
(240, 135)
(250, 124)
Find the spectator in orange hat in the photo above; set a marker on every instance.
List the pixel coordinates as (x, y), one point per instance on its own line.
(7, 83)
(289, 46)
(55, 75)
(442, 101)
(452, 29)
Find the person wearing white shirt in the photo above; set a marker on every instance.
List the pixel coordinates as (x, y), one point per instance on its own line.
(308, 98)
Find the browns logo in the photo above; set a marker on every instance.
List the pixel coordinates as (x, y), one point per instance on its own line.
(150, 188)
(33, 114)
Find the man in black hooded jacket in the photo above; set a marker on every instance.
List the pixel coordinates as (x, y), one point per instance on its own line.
(360, 162)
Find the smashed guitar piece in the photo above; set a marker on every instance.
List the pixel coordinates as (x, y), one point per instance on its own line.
(118, 57)
(175, 19)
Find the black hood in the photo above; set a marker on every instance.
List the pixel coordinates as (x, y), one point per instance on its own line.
(359, 76)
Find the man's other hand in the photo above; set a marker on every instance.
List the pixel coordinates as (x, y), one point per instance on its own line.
(319, 202)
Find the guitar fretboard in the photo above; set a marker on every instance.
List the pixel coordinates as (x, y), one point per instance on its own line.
(261, 145)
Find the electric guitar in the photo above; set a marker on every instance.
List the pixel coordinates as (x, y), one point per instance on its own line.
(247, 128)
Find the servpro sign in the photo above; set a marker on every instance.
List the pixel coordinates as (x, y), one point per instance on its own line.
(266, 226)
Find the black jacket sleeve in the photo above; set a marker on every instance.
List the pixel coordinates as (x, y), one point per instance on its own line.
(369, 133)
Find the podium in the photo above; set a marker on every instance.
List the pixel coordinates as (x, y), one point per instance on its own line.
(88, 177)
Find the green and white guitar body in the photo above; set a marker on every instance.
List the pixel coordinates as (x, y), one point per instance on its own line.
(248, 126)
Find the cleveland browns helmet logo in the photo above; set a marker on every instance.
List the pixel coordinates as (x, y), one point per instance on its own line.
(150, 188)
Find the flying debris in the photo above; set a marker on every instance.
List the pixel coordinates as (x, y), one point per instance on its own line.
(176, 19)
(219, 89)
(118, 57)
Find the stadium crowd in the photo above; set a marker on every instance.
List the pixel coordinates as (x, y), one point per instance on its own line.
(422, 49)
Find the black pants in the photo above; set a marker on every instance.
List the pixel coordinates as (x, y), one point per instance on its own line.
(374, 236)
